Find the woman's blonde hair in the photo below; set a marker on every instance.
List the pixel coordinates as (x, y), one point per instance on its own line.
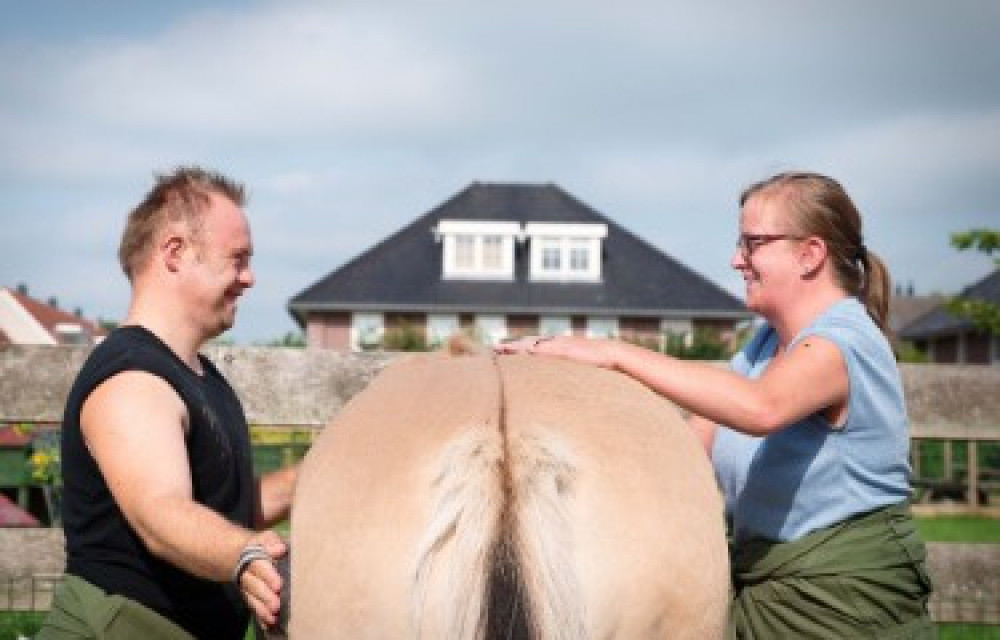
(819, 206)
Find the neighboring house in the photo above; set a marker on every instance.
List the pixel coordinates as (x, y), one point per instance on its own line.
(24, 320)
(947, 338)
(905, 306)
(503, 260)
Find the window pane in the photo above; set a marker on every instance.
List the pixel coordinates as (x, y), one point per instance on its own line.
(465, 251)
(492, 257)
(551, 259)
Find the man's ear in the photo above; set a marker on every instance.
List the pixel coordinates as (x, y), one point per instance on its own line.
(171, 251)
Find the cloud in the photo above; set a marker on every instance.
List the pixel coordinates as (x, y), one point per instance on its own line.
(348, 119)
(295, 71)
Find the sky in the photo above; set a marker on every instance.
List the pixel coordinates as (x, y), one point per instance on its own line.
(347, 120)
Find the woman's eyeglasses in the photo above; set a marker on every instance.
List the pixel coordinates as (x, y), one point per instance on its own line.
(750, 242)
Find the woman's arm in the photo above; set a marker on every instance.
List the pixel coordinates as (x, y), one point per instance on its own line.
(808, 378)
(704, 430)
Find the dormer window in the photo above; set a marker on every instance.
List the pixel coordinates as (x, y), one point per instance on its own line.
(564, 252)
(492, 252)
(477, 249)
(465, 252)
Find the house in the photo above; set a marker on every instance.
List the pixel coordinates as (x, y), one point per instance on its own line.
(24, 320)
(947, 338)
(504, 260)
(905, 306)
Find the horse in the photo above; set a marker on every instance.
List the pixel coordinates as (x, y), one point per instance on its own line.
(473, 497)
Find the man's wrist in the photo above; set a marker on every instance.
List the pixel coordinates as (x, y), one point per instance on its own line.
(248, 555)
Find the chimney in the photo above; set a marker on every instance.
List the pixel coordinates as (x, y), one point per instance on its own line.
(22, 288)
(53, 302)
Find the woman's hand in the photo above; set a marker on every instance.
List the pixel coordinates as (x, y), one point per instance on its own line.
(586, 350)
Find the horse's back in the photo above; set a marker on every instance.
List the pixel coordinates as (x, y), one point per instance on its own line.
(457, 495)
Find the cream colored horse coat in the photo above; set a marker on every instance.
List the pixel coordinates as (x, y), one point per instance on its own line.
(470, 497)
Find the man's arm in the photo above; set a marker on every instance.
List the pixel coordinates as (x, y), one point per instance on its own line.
(134, 426)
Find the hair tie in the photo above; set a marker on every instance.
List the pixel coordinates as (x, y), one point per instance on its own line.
(861, 253)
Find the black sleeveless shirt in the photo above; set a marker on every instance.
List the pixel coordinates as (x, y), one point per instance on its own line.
(101, 547)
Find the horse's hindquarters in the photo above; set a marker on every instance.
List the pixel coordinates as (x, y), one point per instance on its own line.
(452, 480)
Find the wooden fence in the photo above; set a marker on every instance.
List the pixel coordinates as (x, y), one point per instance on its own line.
(296, 391)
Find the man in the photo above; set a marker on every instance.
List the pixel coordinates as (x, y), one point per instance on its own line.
(161, 510)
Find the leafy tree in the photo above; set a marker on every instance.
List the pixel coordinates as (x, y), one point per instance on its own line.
(985, 240)
(985, 315)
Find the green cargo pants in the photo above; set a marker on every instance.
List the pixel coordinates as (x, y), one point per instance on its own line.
(81, 611)
(862, 578)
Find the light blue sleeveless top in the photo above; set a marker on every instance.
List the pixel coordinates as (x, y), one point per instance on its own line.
(811, 474)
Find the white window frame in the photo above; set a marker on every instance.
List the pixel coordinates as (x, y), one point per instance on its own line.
(550, 255)
(491, 328)
(440, 327)
(492, 242)
(449, 231)
(579, 247)
(367, 328)
(565, 238)
(683, 327)
(465, 252)
(602, 327)
(555, 326)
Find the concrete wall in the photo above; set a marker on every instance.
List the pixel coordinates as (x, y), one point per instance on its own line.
(276, 385)
(308, 386)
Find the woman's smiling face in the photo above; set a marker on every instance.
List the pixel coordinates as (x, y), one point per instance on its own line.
(765, 253)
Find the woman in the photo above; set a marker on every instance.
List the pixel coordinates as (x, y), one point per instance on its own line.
(807, 431)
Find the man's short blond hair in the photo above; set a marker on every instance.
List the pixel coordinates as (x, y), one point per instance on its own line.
(180, 196)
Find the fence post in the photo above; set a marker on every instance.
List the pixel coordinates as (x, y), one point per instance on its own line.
(973, 471)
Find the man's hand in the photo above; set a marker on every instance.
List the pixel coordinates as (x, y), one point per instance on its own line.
(260, 583)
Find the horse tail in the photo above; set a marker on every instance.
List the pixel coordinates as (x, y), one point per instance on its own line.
(495, 560)
(542, 475)
(455, 556)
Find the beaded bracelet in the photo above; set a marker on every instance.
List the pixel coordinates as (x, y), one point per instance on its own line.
(250, 553)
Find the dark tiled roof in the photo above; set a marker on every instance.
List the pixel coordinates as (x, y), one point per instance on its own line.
(904, 309)
(939, 321)
(403, 271)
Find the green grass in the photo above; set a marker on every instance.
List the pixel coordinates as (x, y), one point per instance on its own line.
(959, 529)
(968, 632)
(14, 624)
